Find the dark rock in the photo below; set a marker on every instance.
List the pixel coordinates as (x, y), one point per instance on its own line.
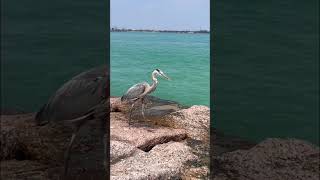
(21, 139)
(155, 107)
(13, 169)
(276, 159)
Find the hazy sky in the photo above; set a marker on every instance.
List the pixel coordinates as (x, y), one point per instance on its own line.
(160, 14)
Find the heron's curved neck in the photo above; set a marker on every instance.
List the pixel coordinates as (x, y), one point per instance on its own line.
(154, 80)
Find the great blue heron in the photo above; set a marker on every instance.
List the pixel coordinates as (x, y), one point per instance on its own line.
(81, 99)
(140, 90)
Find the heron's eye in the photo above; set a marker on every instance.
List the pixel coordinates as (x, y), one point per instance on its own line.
(158, 70)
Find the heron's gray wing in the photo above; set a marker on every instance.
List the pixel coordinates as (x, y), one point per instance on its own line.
(134, 91)
(77, 96)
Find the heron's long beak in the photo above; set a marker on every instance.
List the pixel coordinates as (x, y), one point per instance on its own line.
(165, 76)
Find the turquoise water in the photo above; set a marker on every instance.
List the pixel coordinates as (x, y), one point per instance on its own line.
(184, 58)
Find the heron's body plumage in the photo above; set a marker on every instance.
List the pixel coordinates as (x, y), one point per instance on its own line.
(81, 99)
(76, 97)
(140, 90)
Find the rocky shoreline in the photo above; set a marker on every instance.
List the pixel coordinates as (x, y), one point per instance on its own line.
(173, 142)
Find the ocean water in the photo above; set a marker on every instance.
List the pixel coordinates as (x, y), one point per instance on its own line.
(185, 58)
(267, 68)
(44, 44)
(266, 56)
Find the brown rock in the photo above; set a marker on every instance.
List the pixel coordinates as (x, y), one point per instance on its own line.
(22, 139)
(143, 136)
(121, 150)
(165, 161)
(161, 158)
(14, 169)
(276, 159)
(155, 107)
(196, 173)
(225, 143)
(196, 121)
(116, 105)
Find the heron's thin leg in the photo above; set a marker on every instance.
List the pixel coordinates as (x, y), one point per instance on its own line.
(142, 108)
(77, 122)
(129, 122)
(67, 153)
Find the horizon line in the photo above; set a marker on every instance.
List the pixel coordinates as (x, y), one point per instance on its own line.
(151, 29)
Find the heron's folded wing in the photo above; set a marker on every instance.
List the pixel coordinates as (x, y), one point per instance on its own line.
(134, 91)
(76, 96)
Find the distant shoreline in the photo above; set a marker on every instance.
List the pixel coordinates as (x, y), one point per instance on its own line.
(162, 31)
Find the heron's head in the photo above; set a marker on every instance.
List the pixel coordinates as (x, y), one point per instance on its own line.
(158, 72)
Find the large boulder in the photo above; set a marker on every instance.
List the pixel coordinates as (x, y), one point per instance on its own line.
(142, 135)
(277, 159)
(162, 147)
(195, 120)
(14, 169)
(164, 161)
(152, 148)
(23, 143)
(155, 107)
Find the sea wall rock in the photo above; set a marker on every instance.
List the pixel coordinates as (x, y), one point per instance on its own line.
(277, 159)
(164, 152)
(165, 161)
(14, 169)
(151, 149)
(24, 143)
(120, 150)
(195, 120)
(20, 135)
(154, 107)
(142, 135)
(146, 151)
(171, 143)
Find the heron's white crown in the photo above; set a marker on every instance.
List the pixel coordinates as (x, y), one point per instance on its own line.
(158, 72)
